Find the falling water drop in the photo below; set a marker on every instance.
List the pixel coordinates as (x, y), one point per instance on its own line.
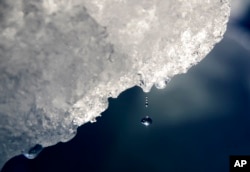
(146, 101)
(33, 152)
(146, 121)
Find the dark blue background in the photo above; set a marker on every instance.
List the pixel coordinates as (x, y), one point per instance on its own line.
(199, 119)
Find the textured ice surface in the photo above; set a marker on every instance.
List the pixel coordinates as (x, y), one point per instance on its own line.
(61, 59)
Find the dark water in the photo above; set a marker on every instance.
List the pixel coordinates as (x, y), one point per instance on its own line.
(200, 119)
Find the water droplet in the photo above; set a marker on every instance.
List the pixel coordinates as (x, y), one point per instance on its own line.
(146, 121)
(146, 101)
(93, 120)
(33, 152)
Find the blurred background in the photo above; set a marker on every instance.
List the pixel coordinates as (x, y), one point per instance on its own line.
(199, 120)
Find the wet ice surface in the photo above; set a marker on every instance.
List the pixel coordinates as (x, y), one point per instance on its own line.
(58, 67)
